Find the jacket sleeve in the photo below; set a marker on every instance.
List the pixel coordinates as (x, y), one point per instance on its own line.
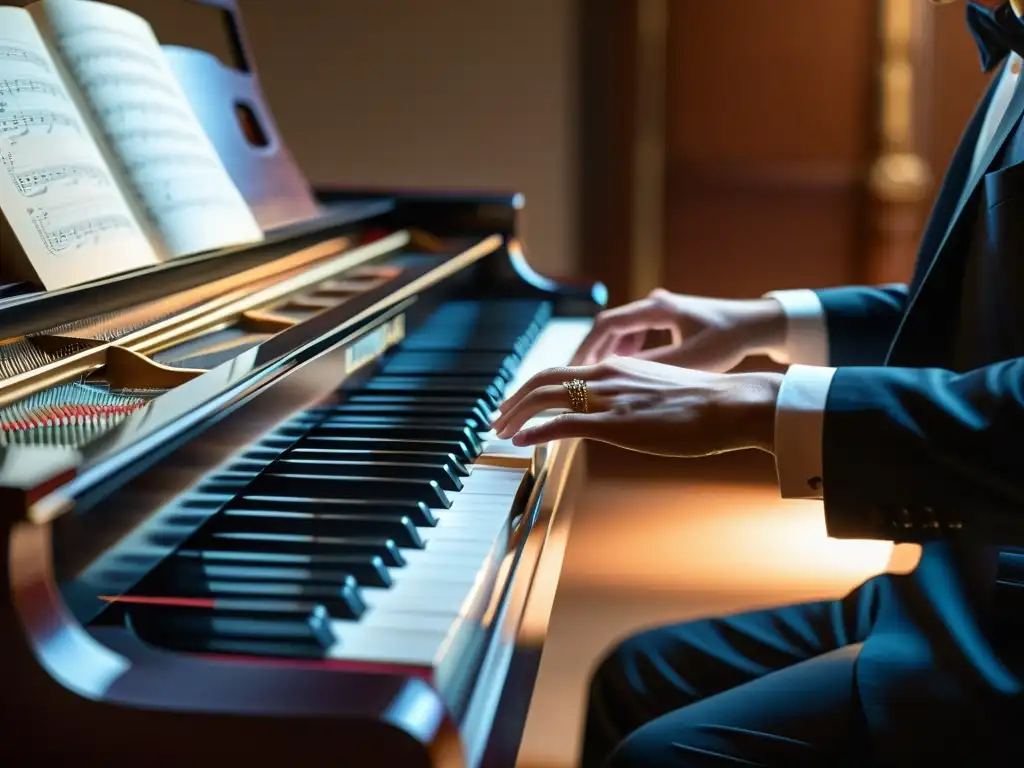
(914, 455)
(862, 322)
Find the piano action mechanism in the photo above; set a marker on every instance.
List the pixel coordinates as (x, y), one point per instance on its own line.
(249, 501)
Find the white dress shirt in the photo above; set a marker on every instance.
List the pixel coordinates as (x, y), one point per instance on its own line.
(800, 412)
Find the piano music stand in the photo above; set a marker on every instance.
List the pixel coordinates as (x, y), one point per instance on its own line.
(230, 105)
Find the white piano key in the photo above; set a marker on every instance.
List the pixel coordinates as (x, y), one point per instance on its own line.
(443, 588)
(554, 348)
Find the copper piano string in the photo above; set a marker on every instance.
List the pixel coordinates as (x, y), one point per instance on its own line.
(70, 349)
(21, 356)
(113, 325)
(67, 415)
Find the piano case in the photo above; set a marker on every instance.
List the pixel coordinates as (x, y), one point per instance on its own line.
(251, 506)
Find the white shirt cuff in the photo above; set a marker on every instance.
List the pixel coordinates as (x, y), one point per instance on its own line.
(806, 340)
(799, 428)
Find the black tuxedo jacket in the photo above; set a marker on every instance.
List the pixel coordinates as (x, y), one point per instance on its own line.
(919, 448)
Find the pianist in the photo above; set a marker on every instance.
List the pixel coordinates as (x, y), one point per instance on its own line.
(903, 410)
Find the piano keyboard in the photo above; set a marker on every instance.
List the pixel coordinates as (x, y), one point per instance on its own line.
(371, 529)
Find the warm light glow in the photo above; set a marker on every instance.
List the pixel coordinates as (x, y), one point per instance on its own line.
(722, 538)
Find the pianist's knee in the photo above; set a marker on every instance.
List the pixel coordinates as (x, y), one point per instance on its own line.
(637, 681)
(676, 741)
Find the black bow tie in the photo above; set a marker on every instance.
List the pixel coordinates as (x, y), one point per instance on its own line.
(997, 33)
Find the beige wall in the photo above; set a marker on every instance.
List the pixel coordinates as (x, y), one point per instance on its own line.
(433, 93)
(477, 94)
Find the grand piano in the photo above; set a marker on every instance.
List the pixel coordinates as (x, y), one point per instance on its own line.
(250, 503)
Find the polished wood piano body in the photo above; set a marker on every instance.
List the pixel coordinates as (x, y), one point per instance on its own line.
(250, 510)
(97, 516)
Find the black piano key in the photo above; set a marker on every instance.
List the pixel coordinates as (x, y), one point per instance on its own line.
(256, 557)
(444, 363)
(456, 339)
(490, 389)
(435, 459)
(473, 424)
(455, 414)
(373, 435)
(368, 558)
(211, 567)
(309, 626)
(403, 432)
(419, 513)
(410, 418)
(261, 481)
(441, 475)
(341, 602)
(398, 528)
(228, 482)
(464, 406)
(240, 607)
(272, 483)
(258, 647)
(454, 410)
(407, 399)
(455, 447)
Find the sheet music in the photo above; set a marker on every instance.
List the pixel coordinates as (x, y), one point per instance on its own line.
(182, 185)
(55, 188)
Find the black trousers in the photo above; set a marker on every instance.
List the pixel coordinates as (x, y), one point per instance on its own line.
(768, 688)
(779, 688)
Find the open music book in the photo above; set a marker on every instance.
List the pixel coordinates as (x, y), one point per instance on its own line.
(105, 167)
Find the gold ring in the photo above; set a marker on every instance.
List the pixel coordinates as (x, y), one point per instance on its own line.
(578, 397)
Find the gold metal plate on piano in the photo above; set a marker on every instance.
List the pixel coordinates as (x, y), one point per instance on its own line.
(125, 350)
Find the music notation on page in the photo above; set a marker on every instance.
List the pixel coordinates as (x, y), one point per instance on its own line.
(24, 85)
(78, 234)
(15, 53)
(34, 182)
(172, 204)
(145, 109)
(176, 160)
(116, 54)
(151, 134)
(123, 80)
(23, 122)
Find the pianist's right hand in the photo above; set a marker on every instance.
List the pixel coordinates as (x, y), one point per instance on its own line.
(707, 334)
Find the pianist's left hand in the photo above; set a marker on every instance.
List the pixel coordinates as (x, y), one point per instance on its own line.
(648, 407)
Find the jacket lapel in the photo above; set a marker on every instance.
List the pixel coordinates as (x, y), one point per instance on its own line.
(954, 186)
(958, 190)
(1009, 121)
